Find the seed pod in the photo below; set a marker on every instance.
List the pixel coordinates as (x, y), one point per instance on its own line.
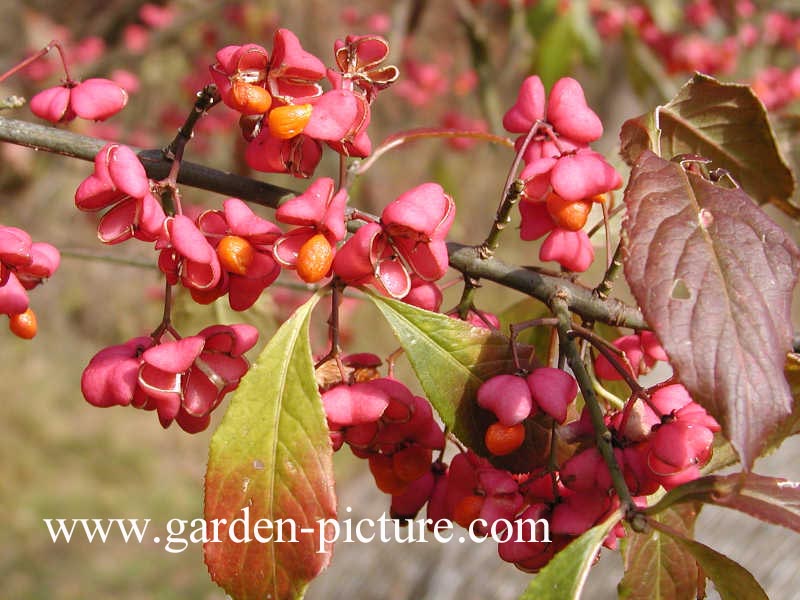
(288, 121)
(23, 324)
(250, 99)
(386, 479)
(467, 510)
(409, 464)
(568, 215)
(314, 259)
(235, 254)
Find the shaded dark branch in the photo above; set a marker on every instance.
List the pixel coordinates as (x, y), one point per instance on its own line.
(580, 299)
(67, 143)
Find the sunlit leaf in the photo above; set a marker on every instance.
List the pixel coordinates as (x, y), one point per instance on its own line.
(713, 276)
(732, 580)
(656, 566)
(564, 577)
(723, 122)
(270, 459)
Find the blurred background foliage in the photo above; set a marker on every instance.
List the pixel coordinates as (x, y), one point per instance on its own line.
(461, 63)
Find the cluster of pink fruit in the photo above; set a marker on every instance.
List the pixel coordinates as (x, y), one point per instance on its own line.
(563, 176)
(285, 116)
(233, 251)
(660, 439)
(24, 264)
(383, 422)
(183, 380)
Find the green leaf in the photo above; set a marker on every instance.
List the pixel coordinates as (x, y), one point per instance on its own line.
(452, 359)
(564, 577)
(558, 51)
(732, 580)
(270, 458)
(714, 275)
(723, 122)
(656, 566)
(540, 16)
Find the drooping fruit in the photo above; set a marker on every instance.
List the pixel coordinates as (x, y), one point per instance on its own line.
(314, 259)
(235, 254)
(23, 324)
(288, 121)
(386, 480)
(409, 464)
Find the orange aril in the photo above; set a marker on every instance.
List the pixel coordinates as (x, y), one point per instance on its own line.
(569, 215)
(386, 479)
(250, 99)
(235, 254)
(501, 440)
(23, 324)
(288, 121)
(409, 464)
(314, 259)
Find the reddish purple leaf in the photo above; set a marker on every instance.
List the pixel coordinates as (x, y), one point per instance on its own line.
(732, 580)
(770, 499)
(713, 276)
(725, 122)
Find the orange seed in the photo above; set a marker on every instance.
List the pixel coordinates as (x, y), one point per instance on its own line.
(314, 259)
(235, 254)
(288, 121)
(250, 99)
(23, 324)
(568, 215)
(501, 440)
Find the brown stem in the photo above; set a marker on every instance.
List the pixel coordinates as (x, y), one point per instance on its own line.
(73, 145)
(166, 319)
(580, 299)
(31, 59)
(462, 258)
(603, 289)
(603, 438)
(611, 353)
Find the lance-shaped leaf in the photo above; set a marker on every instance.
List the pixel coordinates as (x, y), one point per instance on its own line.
(564, 577)
(732, 580)
(713, 276)
(452, 359)
(770, 499)
(723, 122)
(270, 459)
(656, 566)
